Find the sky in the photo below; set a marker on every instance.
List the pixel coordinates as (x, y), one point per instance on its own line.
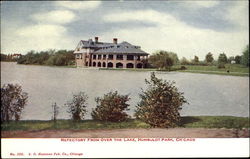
(187, 28)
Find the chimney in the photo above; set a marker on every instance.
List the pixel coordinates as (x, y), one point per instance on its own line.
(115, 40)
(96, 39)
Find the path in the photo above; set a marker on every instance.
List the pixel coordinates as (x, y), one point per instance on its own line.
(131, 133)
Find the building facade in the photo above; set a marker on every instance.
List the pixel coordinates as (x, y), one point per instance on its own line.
(109, 55)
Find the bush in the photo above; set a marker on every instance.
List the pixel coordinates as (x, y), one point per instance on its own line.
(160, 104)
(77, 106)
(111, 107)
(13, 100)
(221, 65)
(183, 68)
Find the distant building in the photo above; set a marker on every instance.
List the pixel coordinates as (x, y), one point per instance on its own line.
(233, 62)
(15, 56)
(109, 55)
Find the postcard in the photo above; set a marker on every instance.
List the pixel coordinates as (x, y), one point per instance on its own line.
(112, 79)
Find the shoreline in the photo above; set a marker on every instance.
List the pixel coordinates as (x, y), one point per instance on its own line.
(209, 72)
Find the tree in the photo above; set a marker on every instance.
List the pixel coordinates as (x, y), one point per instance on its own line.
(160, 103)
(161, 60)
(245, 56)
(50, 57)
(231, 59)
(222, 58)
(196, 59)
(184, 61)
(237, 59)
(77, 106)
(209, 58)
(13, 100)
(111, 107)
(55, 110)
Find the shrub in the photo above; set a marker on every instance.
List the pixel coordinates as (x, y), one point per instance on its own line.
(221, 65)
(111, 107)
(77, 106)
(13, 100)
(183, 68)
(160, 104)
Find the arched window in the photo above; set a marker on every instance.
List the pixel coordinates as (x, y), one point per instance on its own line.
(103, 64)
(130, 65)
(99, 64)
(139, 65)
(110, 64)
(94, 64)
(119, 65)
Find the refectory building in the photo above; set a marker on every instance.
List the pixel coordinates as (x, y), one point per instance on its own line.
(109, 55)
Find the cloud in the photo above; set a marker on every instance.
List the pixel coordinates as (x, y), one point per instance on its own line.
(238, 14)
(55, 17)
(87, 5)
(150, 16)
(174, 35)
(198, 4)
(36, 37)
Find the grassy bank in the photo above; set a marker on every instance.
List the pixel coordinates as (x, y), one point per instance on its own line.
(129, 69)
(64, 66)
(234, 69)
(186, 122)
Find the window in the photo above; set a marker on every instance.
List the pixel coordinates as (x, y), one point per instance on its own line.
(130, 57)
(110, 57)
(77, 56)
(94, 57)
(119, 57)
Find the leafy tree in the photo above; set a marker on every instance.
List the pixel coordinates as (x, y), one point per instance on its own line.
(184, 61)
(160, 103)
(50, 57)
(13, 100)
(111, 107)
(77, 106)
(161, 60)
(209, 58)
(55, 110)
(245, 57)
(230, 59)
(222, 58)
(237, 59)
(196, 59)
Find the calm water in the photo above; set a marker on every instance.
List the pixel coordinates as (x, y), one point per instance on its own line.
(206, 94)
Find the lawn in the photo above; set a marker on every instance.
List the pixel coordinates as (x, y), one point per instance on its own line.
(186, 122)
(234, 69)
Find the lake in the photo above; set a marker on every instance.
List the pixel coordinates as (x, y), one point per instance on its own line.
(207, 94)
